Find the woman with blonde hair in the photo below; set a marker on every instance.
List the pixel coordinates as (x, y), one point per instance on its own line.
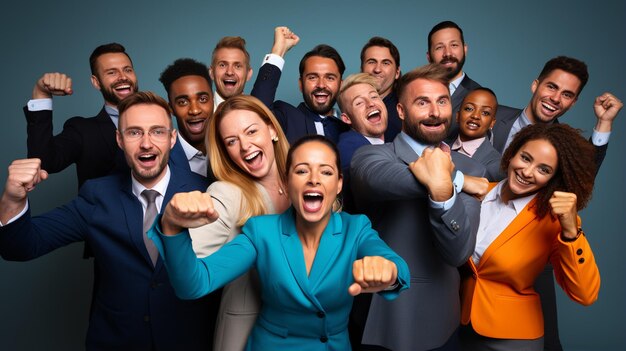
(247, 150)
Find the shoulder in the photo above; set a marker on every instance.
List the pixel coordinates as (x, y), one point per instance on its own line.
(467, 165)
(469, 83)
(351, 137)
(506, 112)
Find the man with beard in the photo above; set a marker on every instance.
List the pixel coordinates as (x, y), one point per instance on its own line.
(320, 78)
(133, 305)
(230, 68)
(381, 59)
(407, 189)
(447, 47)
(188, 88)
(87, 142)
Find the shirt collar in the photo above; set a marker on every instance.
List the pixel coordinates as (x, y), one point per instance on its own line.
(113, 113)
(160, 187)
(455, 83)
(190, 151)
(469, 147)
(414, 144)
(517, 204)
(374, 141)
(217, 100)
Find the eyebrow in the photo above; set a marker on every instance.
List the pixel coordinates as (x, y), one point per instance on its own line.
(186, 96)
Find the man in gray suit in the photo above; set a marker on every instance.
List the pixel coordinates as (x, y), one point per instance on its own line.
(412, 193)
(447, 47)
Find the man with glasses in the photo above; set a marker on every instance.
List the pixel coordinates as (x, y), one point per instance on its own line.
(133, 305)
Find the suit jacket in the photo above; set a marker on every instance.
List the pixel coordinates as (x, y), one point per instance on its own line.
(88, 142)
(394, 123)
(296, 122)
(300, 311)
(467, 85)
(241, 298)
(348, 143)
(433, 241)
(134, 307)
(490, 158)
(506, 117)
(498, 295)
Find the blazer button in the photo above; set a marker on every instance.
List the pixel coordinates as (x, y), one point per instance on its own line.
(146, 318)
(323, 338)
(581, 260)
(454, 225)
(579, 252)
(321, 314)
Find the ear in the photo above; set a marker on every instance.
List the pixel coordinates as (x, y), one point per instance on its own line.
(397, 73)
(493, 122)
(534, 86)
(249, 74)
(345, 118)
(428, 57)
(400, 109)
(340, 185)
(464, 49)
(173, 138)
(300, 84)
(95, 82)
(273, 133)
(118, 138)
(211, 73)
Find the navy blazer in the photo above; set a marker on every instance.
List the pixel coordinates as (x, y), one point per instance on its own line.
(348, 143)
(134, 307)
(300, 311)
(394, 123)
(296, 122)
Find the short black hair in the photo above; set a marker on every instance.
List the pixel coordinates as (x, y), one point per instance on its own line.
(109, 48)
(382, 42)
(181, 68)
(568, 64)
(326, 51)
(443, 25)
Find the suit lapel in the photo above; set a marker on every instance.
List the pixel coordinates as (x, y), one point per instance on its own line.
(327, 252)
(106, 127)
(292, 248)
(517, 225)
(134, 218)
(309, 121)
(404, 150)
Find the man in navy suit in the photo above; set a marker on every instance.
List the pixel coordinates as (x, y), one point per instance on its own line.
(381, 59)
(320, 78)
(133, 306)
(447, 47)
(364, 110)
(87, 142)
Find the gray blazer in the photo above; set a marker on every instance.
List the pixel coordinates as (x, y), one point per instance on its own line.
(487, 155)
(241, 301)
(432, 241)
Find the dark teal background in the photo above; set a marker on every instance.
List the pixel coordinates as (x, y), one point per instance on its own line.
(44, 303)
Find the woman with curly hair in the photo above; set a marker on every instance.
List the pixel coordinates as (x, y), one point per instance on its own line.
(528, 220)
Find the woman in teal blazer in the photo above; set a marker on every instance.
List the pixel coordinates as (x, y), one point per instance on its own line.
(311, 261)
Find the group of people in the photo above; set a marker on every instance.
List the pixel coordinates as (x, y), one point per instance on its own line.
(248, 226)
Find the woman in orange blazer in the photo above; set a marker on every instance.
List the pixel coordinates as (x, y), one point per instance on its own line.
(527, 220)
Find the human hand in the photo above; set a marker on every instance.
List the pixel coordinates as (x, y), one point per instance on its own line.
(475, 186)
(564, 208)
(284, 39)
(188, 210)
(372, 274)
(606, 108)
(52, 84)
(23, 176)
(434, 170)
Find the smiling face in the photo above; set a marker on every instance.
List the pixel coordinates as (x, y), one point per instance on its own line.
(378, 62)
(320, 84)
(191, 100)
(477, 115)
(115, 77)
(148, 155)
(230, 71)
(530, 169)
(248, 142)
(364, 110)
(425, 110)
(313, 182)
(447, 49)
(554, 95)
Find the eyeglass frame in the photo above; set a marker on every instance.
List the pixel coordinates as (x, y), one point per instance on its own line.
(142, 133)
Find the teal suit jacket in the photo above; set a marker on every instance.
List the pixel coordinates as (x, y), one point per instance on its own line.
(298, 311)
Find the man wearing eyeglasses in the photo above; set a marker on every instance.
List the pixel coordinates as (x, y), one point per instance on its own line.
(133, 305)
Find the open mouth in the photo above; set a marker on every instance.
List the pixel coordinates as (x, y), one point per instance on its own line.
(196, 126)
(254, 159)
(433, 124)
(147, 160)
(123, 88)
(549, 108)
(312, 201)
(374, 116)
(521, 180)
(472, 126)
(229, 83)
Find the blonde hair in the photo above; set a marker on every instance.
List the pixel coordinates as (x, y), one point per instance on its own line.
(352, 80)
(223, 166)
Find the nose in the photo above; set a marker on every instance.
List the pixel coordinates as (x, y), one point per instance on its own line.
(555, 97)
(244, 144)
(229, 70)
(435, 110)
(314, 178)
(194, 109)
(527, 171)
(377, 68)
(146, 142)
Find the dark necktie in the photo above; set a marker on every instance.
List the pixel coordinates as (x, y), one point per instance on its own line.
(148, 219)
(330, 130)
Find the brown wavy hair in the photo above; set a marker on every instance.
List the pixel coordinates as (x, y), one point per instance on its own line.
(226, 170)
(576, 168)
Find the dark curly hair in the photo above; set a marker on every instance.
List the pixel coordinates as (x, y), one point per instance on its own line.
(181, 68)
(576, 168)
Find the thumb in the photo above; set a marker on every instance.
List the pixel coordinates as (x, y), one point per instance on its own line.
(355, 289)
(43, 175)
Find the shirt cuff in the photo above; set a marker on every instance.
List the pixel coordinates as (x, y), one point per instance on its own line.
(275, 60)
(39, 104)
(600, 138)
(445, 205)
(19, 215)
(459, 180)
